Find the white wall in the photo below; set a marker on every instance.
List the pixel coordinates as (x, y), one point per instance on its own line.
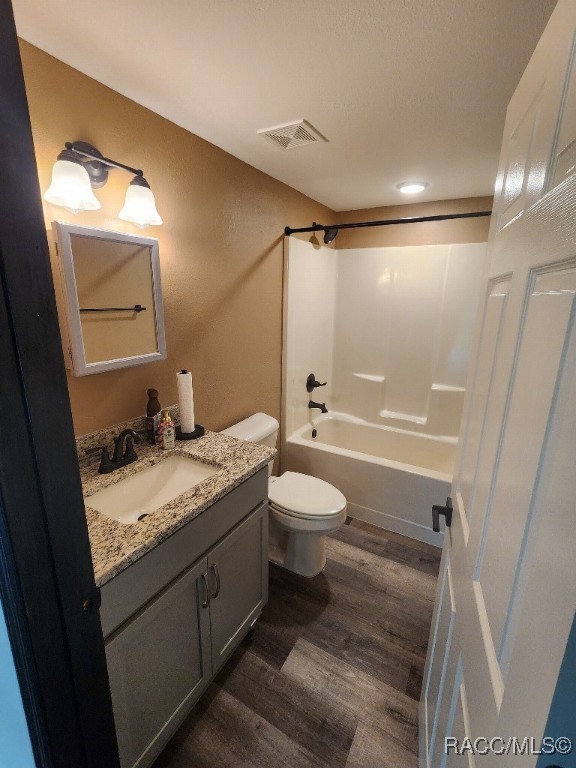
(389, 328)
(309, 294)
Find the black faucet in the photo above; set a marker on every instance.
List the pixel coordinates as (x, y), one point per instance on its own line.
(123, 454)
(321, 406)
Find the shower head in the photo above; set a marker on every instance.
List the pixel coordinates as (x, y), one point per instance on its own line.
(330, 234)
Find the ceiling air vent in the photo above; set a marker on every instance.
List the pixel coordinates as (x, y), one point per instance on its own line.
(292, 135)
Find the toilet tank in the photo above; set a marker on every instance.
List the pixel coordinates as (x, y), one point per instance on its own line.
(258, 428)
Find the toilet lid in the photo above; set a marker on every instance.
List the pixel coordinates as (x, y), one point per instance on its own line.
(305, 496)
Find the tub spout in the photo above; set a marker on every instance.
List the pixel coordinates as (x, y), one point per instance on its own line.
(321, 406)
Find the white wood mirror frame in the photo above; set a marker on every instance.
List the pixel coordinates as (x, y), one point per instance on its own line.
(112, 299)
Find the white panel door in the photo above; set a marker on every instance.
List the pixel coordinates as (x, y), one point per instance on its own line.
(507, 589)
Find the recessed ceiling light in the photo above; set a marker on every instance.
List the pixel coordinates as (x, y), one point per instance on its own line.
(411, 187)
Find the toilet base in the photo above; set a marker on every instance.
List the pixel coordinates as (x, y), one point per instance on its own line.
(304, 554)
(301, 552)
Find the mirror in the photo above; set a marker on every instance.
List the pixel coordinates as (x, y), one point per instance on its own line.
(112, 299)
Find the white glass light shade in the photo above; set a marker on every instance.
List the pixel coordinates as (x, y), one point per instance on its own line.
(70, 187)
(140, 207)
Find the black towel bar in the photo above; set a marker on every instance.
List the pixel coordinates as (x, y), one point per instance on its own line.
(135, 308)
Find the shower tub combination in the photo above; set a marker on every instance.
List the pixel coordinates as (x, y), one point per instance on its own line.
(390, 477)
(387, 334)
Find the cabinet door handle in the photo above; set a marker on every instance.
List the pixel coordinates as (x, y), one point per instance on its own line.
(206, 601)
(214, 570)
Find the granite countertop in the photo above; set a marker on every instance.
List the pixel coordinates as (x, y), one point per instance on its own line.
(116, 545)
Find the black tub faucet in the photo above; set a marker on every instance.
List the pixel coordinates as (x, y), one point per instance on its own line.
(122, 454)
(321, 406)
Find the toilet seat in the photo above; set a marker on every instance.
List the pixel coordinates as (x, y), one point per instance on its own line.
(306, 497)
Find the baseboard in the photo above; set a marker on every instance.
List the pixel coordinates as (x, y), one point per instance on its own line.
(396, 524)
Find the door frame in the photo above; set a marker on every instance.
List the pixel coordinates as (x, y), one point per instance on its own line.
(47, 583)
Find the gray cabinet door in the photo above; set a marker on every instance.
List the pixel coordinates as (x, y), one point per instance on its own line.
(158, 662)
(238, 575)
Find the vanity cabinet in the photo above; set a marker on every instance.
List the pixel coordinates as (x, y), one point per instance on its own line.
(157, 664)
(237, 594)
(164, 652)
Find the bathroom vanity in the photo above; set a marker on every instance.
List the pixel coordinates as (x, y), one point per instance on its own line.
(179, 589)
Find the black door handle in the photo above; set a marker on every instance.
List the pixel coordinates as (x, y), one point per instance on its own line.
(437, 510)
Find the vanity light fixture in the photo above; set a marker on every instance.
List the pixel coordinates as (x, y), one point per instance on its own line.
(139, 205)
(70, 187)
(81, 167)
(411, 187)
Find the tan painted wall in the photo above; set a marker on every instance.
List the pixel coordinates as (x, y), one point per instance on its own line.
(425, 233)
(221, 249)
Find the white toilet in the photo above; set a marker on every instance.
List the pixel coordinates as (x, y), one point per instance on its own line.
(302, 508)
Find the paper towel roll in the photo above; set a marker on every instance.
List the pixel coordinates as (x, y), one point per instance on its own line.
(185, 401)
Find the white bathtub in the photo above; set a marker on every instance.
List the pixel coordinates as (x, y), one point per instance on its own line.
(390, 477)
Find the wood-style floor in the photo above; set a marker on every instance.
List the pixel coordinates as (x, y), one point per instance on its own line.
(330, 676)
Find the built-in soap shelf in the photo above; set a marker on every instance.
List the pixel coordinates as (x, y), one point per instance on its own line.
(370, 377)
(444, 411)
(447, 388)
(403, 417)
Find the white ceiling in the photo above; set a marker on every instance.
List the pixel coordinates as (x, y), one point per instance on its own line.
(403, 89)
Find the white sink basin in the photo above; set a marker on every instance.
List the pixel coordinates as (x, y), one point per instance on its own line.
(151, 488)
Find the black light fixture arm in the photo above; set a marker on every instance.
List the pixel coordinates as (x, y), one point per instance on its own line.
(407, 220)
(86, 150)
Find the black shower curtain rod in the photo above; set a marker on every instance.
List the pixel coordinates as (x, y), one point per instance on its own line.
(332, 229)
